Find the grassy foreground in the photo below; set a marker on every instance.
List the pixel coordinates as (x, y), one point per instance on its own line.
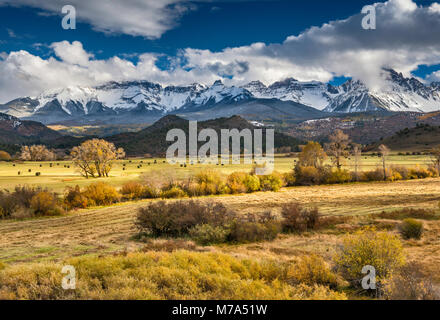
(178, 275)
(111, 264)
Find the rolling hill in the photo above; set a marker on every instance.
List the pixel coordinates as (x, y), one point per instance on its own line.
(15, 131)
(152, 140)
(421, 138)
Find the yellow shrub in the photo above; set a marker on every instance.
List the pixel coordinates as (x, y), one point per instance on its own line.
(312, 270)
(4, 156)
(210, 182)
(317, 292)
(159, 275)
(132, 190)
(74, 198)
(289, 178)
(271, 182)
(381, 250)
(374, 175)
(173, 193)
(45, 204)
(395, 176)
(403, 171)
(252, 183)
(307, 175)
(235, 182)
(419, 173)
(338, 176)
(101, 194)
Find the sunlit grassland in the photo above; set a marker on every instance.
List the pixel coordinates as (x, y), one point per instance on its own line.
(64, 173)
(106, 231)
(101, 231)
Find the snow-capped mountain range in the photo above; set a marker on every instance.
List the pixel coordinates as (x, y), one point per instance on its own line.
(143, 98)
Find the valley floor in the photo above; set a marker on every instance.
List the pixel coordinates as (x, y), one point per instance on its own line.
(63, 173)
(102, 231)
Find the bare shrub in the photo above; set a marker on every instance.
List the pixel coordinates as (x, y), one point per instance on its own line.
(177, 217)
(17, 203)
(36, 153)
(160, 179)
(22, 213)
(206, 234)
(411, 229)
(254, 231)
(298, 219)
(411, 282)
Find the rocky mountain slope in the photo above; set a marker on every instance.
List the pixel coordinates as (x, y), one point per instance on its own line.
(16, 131)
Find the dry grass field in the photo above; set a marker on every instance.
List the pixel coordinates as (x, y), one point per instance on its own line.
(101, 231)
(107, 231)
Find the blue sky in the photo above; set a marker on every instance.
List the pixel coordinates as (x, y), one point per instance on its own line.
(213, 26)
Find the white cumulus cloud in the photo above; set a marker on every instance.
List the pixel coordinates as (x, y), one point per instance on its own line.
(406, 37)
(148, 18)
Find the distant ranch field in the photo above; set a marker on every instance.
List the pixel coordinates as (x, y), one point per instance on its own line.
(63, 173)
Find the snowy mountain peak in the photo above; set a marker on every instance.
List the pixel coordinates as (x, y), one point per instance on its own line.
(217, 83)
(313, 94)
(398, 93)
(142, 96)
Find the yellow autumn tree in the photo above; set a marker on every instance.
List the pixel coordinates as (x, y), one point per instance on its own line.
(312, 155)
(94, 158)
(36, 153)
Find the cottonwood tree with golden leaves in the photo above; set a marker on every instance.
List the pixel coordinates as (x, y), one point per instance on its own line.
(36, 153)
(94, 158)
(312, 155)
(337, 149)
